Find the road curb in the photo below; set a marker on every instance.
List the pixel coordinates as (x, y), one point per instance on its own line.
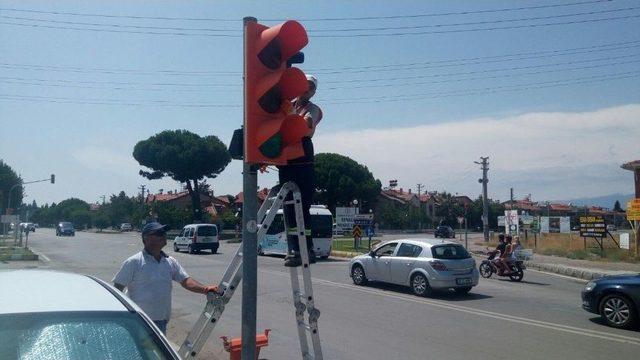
(566, 270)
(344, 254)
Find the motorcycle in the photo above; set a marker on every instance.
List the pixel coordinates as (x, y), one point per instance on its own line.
(488, 268)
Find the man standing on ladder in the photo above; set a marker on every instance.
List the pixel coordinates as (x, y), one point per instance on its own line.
(301, 172)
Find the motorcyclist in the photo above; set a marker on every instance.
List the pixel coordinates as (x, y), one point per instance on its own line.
(507, 256)
(499, 250)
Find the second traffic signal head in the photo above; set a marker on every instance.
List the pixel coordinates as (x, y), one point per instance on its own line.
(272, 130)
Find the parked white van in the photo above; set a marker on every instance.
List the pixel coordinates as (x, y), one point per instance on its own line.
(196, 237)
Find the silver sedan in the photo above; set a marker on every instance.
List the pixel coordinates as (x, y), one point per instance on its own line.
(421, 264)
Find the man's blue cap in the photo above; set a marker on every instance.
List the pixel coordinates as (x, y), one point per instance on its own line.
(153, 227)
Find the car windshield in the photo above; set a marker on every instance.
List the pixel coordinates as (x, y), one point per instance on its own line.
(449, 251)
(66, 225)
(207, 231)
(78, 335)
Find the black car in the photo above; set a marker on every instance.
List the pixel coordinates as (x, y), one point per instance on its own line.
(615, 298)
(444, 232)
(65, 228)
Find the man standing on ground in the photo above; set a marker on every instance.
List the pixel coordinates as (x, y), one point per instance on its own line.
(147, 276)
(301, 171)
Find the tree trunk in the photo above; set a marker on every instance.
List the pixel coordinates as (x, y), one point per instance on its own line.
(194, 192)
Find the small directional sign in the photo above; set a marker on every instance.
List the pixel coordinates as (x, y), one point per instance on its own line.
(357, 232)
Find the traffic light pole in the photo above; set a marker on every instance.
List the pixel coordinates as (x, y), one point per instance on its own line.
(249, 235)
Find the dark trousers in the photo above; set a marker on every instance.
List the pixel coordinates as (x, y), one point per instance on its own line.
(301, 172)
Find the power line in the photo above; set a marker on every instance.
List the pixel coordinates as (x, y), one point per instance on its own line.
(442, 64)
(325, 71)
(118, 31)
(113, 71)
(116, 82)
(481, 29)
(73, 84)
(113, 88)
(485, 22)
(406, 97)
(489, 90)
(330, 35)
(485, 77)
(119, 25)
(98, 101)
(482, 71)
(475, 22)
(470, 12)
(549, 53)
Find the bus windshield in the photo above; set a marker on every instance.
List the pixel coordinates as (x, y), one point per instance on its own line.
(321, 226)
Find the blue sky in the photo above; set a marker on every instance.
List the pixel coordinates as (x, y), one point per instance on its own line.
(556, 107)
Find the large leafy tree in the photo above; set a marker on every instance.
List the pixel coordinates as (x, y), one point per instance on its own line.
(9, 178)
(185, 157)
(340, 180)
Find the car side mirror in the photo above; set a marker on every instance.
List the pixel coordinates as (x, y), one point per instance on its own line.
(372, 254)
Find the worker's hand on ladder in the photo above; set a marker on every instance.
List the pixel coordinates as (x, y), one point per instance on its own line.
(211, 288)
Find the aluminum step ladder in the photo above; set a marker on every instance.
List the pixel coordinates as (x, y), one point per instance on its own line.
(302, 295)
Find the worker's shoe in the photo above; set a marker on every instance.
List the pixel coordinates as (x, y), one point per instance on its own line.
(293, 260)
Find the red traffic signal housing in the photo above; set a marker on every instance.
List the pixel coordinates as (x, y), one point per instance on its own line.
(272, 132)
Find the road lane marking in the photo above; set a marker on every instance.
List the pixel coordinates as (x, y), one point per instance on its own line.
(478, 312)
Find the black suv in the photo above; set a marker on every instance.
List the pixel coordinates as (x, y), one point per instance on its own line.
(65, 228)
(444, 232)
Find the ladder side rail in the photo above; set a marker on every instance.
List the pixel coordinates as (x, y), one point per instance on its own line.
(306, 276)
(205, 332)
(235, 263)
(299, 308)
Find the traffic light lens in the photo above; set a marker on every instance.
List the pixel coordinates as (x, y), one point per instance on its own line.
(272, 148)
(271, 55)
(271, 101)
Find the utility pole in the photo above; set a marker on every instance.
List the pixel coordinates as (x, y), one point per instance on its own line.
(103, 199)
(512, 197)
(142, 187)
(419, 208)
(485, 201)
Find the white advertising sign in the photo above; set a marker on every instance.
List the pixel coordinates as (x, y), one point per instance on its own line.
(344, 218)
(624, 241)
(512, 224)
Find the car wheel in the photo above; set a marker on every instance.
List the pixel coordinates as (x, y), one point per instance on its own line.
(214, 250)
(190, 249)
(324, 257)
(462, 290)
(260, 252)
(175, 247)
(358, 276)
(617, 311)
(420, 285)
(485, 270)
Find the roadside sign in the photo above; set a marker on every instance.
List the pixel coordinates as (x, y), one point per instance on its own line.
(8, 219)
(526, 219)
(624, 241)
(592, 226)
(460, 220)
(633, 209)
(363, 220)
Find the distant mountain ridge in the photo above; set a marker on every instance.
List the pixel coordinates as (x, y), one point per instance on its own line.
(605, 201)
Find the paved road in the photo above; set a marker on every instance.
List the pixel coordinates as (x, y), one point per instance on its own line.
(539, 318)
